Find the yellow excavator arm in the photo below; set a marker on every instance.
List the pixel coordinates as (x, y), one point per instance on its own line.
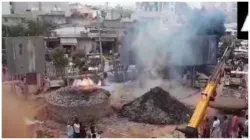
(208, 94)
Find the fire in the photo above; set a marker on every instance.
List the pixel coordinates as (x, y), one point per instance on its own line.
(85, 84)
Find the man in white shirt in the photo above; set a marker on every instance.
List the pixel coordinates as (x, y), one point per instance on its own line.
(216, 132)
(76, 127)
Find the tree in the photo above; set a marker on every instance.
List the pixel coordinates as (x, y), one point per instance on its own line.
(80, 60)
(28, 28)
(59, 60)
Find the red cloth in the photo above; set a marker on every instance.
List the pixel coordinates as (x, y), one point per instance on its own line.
(235, 123)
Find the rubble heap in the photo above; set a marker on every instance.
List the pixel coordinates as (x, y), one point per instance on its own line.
(156, 107)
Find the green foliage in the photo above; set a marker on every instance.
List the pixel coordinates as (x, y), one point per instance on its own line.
(80, 60)
(28, 28)
(58, 58)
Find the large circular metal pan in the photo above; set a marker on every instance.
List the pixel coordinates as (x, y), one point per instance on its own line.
(228, 104)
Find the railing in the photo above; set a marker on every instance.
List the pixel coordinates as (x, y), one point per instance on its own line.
(51, 71)
(108, 35)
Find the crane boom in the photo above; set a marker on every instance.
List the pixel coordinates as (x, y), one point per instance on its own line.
(208, 94)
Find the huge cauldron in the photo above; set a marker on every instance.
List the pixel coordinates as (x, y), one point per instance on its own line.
(67, 102)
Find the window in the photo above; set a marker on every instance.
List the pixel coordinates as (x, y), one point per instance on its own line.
(5, 19)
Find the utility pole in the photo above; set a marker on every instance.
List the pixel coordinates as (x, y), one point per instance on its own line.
(100, 42)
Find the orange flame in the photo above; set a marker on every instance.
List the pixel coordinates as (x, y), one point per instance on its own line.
(85, 84)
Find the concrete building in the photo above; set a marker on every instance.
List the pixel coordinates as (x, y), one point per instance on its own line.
(74, 7)
(6, 8)
(12, 20)
(47, 7)
(112, 14)
(53, 18)
(87, 37)
(82, 17)
(165, 14)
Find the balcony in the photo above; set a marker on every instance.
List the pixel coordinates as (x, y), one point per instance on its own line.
(103, 35)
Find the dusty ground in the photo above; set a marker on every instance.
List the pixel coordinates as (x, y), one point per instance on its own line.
(113, 127)
(14, 112)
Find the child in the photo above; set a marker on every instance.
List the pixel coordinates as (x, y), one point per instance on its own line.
(70, 130)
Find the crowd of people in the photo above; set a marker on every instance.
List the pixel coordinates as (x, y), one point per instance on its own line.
(76, 129)
(225, 128)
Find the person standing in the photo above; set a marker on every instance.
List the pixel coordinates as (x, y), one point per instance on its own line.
(225, 127)
(76, 127)
(235, 126)
(24, 87)
(4, 73)
(70, 130)
(93, 132)
(83, 131)
(216, 132)
(241, 130)
(206, 129)
(246, 127)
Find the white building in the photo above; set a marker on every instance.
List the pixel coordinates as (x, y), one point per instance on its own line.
(6, 8)
(44, 7)
(166, 13)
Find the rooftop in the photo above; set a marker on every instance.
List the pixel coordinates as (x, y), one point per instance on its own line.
(13, 16)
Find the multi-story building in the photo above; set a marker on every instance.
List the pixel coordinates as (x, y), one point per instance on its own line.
(87, 37)
(46, 7)
(6, 8)
(166, 13)
(54, 18)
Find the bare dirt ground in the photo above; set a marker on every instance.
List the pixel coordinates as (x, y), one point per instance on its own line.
(14, 110)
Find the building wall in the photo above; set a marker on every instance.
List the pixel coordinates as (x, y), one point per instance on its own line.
(19, 7)
(25, 54)
(6, 8)
(163, 12)
(54, 19)
(85, 44)
(11, 21)
(81, 21)
(112, 14)
(46, 7)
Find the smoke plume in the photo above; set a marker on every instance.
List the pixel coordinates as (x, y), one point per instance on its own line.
(156, 47)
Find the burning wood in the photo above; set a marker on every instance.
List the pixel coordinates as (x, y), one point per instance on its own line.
(84, 85)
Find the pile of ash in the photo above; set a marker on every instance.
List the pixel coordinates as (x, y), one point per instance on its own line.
(156, 107)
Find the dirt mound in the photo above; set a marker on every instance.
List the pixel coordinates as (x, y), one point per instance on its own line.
(156, 107)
